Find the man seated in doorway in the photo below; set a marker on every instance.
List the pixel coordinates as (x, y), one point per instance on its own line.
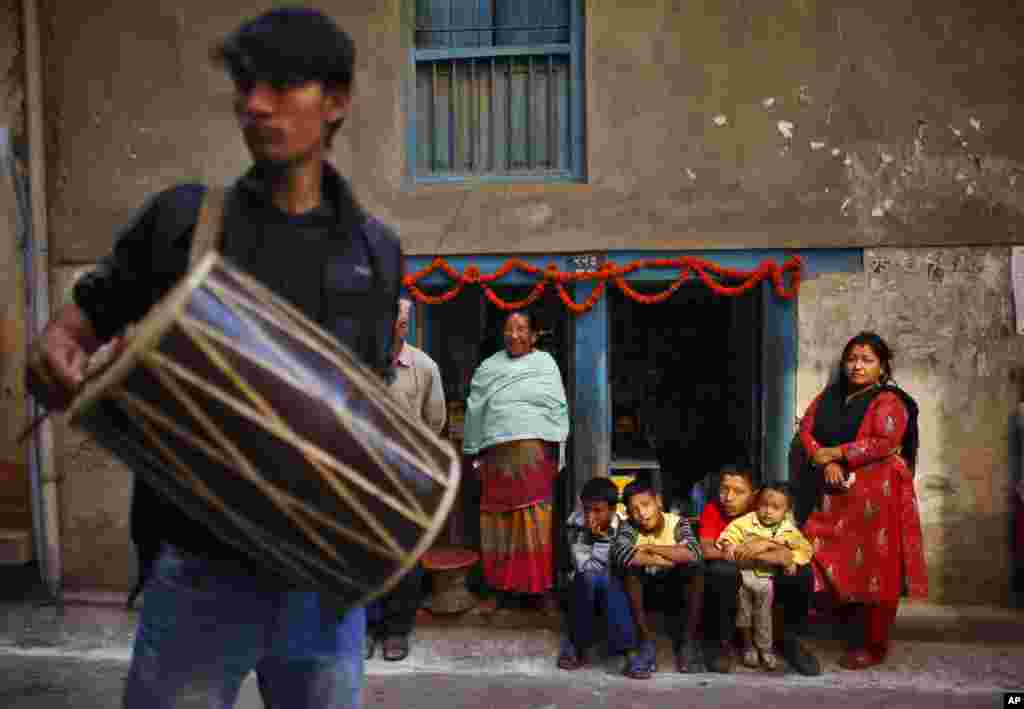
(594, 589)
(660, 561)
(417, 386)
(736, 497)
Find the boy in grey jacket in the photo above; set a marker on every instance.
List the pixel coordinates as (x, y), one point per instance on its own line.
(594, 589)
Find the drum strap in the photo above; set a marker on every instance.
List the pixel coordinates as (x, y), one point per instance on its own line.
(209, 228)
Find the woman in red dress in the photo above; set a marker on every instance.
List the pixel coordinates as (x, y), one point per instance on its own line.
(860, 436)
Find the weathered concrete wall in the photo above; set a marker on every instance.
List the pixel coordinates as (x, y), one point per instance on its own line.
(95, 496)
(948, 315)
(903, 122)
(14, 487)
(135, 105)
(903, 117)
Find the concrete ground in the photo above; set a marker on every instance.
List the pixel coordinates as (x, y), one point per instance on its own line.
(80, 684)
(77, 655)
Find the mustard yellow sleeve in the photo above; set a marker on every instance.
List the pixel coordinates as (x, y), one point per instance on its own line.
(801, 548)
(734, 532)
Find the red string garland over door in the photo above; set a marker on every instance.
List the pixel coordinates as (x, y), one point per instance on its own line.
(724, 281)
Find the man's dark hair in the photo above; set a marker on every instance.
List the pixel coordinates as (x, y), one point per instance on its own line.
(600, 489)
(290, 46)
(780, 487)
(739, 469)
(642, 484)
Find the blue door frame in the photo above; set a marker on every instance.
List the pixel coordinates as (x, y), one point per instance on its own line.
(591, 405)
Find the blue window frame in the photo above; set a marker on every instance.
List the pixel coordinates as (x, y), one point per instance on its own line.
(498, 91)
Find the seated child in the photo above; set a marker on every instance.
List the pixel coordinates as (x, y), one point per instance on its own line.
(593, 588)
(773, 543)
(659, 559)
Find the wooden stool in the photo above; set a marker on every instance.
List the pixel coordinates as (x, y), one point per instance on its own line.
(448, 568)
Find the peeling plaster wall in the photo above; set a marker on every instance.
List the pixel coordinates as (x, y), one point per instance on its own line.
(710, 124)
(948, 315)
(12, 80)
(95, 496)
(781, 123)
(15, 510)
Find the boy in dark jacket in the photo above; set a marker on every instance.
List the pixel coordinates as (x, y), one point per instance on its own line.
(590, 531)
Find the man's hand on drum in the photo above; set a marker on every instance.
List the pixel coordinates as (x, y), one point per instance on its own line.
(57, 360)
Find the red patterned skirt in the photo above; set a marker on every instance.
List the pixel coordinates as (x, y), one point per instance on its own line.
(867, 540)
(516, 516)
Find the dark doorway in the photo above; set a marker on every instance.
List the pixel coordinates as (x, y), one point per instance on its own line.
(686, 385)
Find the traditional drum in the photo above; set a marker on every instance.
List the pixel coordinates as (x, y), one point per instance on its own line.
(256, 422)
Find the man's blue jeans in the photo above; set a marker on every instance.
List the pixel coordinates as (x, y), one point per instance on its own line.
(591, 593)
(205, 625)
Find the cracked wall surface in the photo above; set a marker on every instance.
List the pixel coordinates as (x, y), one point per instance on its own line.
(710, 125)
(781, 123)
(14, 488)
(95, 497)
(948, 314)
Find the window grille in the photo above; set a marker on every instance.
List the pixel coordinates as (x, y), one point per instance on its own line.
(498, 89)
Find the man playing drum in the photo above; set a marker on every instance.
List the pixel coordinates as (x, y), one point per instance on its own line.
(211, 614)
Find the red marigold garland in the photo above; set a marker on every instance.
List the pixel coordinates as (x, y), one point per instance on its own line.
(710, 273)
(590, 302)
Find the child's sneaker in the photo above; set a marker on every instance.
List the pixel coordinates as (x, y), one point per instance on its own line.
(768, 660)
(642, 663)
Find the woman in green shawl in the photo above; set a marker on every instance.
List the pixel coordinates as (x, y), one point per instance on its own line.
(516, 420)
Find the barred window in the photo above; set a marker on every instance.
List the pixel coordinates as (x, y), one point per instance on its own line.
(498, 89)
